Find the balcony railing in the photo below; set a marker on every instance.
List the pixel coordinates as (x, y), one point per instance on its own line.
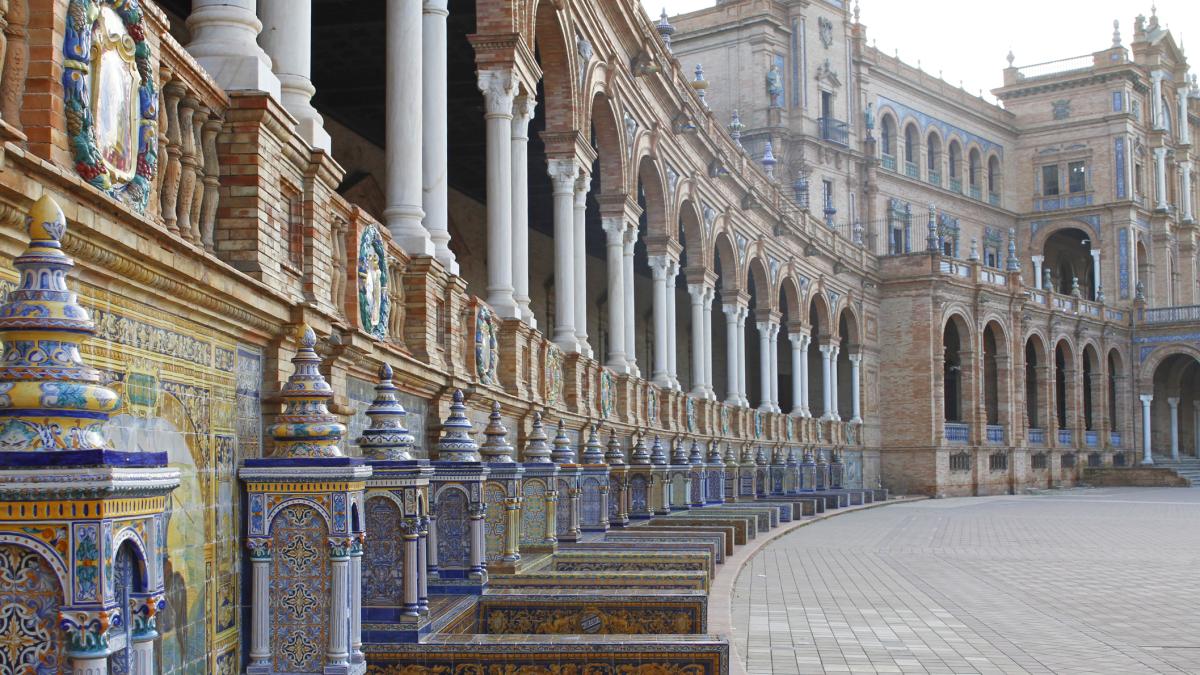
(1170, 314)
(1066, 437)
(935, 178)
(976, 192)
(911, 170)
(956, 185)
(994, 198)
(957, 432)
(834, 131)
(1037, 436)
(995, 434)
(1114, 439)
(1058, 67)
(889, 162)
(1091, 438)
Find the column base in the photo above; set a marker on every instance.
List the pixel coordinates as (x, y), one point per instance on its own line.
(312, 130)
(662, 381)
(404, 222)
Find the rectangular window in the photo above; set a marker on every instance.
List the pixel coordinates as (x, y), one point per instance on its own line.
(827, 193)
(1076, 176)
(293, 225)
(1050, 180)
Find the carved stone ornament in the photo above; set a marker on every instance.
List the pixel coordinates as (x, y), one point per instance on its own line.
(374, 301)
(826, 28)
(110, 98)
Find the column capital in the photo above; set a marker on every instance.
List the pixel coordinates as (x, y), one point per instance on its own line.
(660, 266)
(498, 87)
(441, 7)
(855, 358)
(800, 339)
(614, 227)
(1173, 401)
(563, 173)
(1146, 398)
(523, 109)
(631, 236)
(826, 348)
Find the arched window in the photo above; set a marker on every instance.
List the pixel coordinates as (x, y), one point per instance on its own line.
(973, 167)
(910, 143)
(933, 153)
(954, 158)
(993, 175)
(888, 135)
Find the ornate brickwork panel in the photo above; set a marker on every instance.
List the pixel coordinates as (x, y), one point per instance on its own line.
(300, 589)
(533, 512)
(30, 596)
(639, 494)
(383, 555)
(451, 510)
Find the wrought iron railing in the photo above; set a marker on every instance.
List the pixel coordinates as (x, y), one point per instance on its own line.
(1048, 68)
(834, 130)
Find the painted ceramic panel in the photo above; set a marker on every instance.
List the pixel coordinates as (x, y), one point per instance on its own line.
(533, 512)
(300, 590)
(383, 555)
(590, 502)
(563, 514)
(495, 523)
(30, 596)
(639, 491)
(451, 510)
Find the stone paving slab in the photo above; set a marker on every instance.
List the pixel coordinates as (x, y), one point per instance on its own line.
(1079, 581)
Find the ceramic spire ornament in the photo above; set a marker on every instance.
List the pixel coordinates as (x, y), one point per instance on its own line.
(658, 454)
(537, 450)
(640, 454)
(730, 455)
(50, 400)
(306, 428)
(593, 452)
(614, 456)
(678, 454)
(456, 444)
(495, 446)
(695, 456)
(563, 453)
(386, 439)
(760, 457)
(714, 452)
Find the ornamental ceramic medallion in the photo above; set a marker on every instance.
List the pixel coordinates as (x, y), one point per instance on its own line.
(554, 374)
(789, 428)
(758, 424)
(487, 355)
(725, 420)
(652, 404)
(691, 414)
(110, 98)
(608, 393)
(374, 305)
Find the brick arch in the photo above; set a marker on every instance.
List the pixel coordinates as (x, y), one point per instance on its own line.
(765, 294)
(692, 228)
(1160, 354)
(853, 325)
(505, 16)
(1040, 346)
(966, 328)
(658, 216)
(552, 39)
(609, 143)
(1038, 244)
(790, 296)
(820, 316)
(726, 251)
(1003, 339)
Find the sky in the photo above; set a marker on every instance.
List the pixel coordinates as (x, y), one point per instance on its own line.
(963, 42)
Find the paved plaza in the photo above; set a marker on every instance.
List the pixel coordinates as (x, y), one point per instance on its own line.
(1078, 581)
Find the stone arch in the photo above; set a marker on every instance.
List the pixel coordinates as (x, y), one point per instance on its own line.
(933, 151)
(131, 537)
(853, 332)
(46, 553)
(764, 291)
(1092, 383)
(1063, 365)
(790, 297)
(994, 173)
(1036, 360)
(551, 38)
(889, 127)
(1155, 358)
(996, 371)
(1046, 231)
(954, 156)
(974, 164)
(958, 388)
(820, 316)
(911, 137)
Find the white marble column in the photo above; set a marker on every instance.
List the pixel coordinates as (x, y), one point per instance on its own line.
(630, 240)
(260, 610)
(614, 228)
(523, 108)
(434, 134)
(698, 292)
(833, 381)
(1037, 270)
(710, 294)
(1156, 77)
(225, 44)
(764, 365)
(799, 365)
(499, 87)
(339, 610)
(1185, 130)
(743, 384)
(1173, 404)
(659, 265)
(356, 554)
(826, 390)
(287, 38)
(1095, 273)
(563, 174)
(1147, 452)
(1185, 170)
(582, 184)
(856, 388)
(774, 330)
(404, 194)
(1160, 178)
(672, 326)
(733, 396)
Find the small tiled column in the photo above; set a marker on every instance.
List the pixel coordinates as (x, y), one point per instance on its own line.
(339, 610)
(356, 555)
(260, 603)
(1147, 452)
(423, 543)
